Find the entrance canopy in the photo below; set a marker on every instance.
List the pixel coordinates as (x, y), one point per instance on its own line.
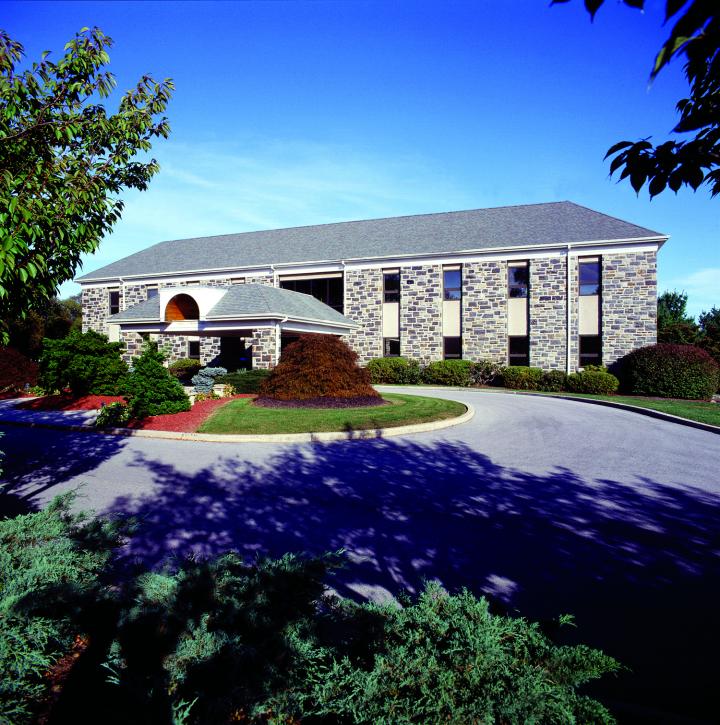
(238, 310)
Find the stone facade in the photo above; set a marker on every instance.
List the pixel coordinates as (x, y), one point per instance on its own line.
(629, 303)
(265, 348)
(95, 309)
(133, 343)
(548, 313)
(132, 294)
(574, 315)
(363, 304)
(210, 351)
(421, 313)
(484, 311)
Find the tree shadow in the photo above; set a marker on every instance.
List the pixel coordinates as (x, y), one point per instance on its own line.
(636, 563)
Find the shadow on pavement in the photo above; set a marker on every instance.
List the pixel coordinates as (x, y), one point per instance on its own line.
(637, 564)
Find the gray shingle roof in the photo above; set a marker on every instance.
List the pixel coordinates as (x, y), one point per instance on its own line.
(510, 226)
(247, 300)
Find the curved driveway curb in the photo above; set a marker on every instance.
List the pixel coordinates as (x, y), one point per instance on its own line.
(270, 438)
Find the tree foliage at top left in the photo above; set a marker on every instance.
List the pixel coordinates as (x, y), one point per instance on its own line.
(64, 161)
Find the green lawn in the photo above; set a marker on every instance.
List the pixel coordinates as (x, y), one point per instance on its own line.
(694, 410)
(240, 416)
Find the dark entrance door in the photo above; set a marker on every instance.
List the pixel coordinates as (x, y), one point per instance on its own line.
(235, 354)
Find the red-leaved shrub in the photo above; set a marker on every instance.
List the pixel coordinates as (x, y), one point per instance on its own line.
(16, 370)
(319, 366)
(670, 371)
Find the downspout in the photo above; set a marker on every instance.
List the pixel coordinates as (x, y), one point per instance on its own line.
(568, 315)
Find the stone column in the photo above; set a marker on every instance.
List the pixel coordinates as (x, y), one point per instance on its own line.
(484, 311)
(265, 348)
(421, 313)
(95, 309)
(363, 304)
(548, 313)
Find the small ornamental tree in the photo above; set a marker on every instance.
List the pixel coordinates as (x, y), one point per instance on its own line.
(84, 362)
(319, 368)
(16, 370)
(151, 389)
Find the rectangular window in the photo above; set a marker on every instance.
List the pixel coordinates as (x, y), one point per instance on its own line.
(590, 350)
(152, 292)
(391, 346)
(326, 289)
(193, 349)
(114, 301)
(237, 280)
(589, 272)
(452, 348)
(391, 286)
(518, 280)
(519, 350)
(452, 284)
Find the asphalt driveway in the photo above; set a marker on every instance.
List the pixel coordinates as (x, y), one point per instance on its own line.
(547, 506)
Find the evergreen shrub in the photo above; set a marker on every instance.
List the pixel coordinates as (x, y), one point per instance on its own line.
(206, 378)
(553, 381)
(393, 371)
(84, 362)
(151, 389)
(448, 372)
(521, 377)
(486, 372)
(670, 371)
(115, 415)
(598, 382)
(184, 368)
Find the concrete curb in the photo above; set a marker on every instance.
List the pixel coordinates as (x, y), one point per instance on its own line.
(649, 412)
(270, 438)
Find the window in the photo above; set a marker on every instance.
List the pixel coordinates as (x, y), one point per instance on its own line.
(152, 292)
(452, 348)
(237, 280)
(114, 301)
(193, 282)
(519, 350)
(518, 281)
(589, 270)
(391, 346)
(391, 287)
(326, 289)
(193, 349)
(590, 350)
(452, 284)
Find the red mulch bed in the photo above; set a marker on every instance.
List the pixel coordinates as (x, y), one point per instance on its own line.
(68, 402)
(187, 422)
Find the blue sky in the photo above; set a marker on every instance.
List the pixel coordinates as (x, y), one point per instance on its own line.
(291, 113)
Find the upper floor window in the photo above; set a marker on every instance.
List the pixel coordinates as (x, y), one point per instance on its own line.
(237, 280)
(452, 284)
(114, 301)
(589, 272)
(391, 286)
(152, 292)
(326, 289)
(518, 280)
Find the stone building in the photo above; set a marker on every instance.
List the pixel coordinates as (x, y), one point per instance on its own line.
(556, 285)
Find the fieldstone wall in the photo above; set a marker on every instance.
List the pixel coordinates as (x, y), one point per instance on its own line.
(265, 348)
(421, 313)
(548, 313)
(574, 315)
(173, 347)
(629, 303)
(484, 311)
(132, 294)
(210, 351)
(95, 309)
(133, 343)
(363, 304)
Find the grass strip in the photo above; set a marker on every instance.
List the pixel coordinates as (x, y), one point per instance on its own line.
(241, 417)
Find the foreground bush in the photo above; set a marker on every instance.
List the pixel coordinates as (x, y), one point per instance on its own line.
(223, 641)
(84, 362)
(486, 372)
(318, 366)
(519, 377)
(16, 371)
(184, 369)
(670, 371)
(115, 415)
(553, 381)
(393, 371)
(598, 382)
(150, 388)
(205, 380)
(448, 372)
(245, 381)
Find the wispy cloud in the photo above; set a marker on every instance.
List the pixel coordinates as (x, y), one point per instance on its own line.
(702, 288)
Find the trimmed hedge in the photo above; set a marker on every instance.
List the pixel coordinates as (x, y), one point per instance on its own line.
(670, 371)
(520, 377)
(184, 369)
(394, 371)
(448, 372)
(597, 382)
(318, 366)
(16, 370)
(553, 381)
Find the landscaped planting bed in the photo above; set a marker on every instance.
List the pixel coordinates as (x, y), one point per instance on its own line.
(241, 416)
(185, 422)
(70, 402)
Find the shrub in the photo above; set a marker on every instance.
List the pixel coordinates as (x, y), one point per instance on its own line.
(448, 372)
(212, 395)
(151, 390)
(597, 382)
(670, 371)
(205, 380)
(553, 381)
(85, 363)
(393, 371)
(520, 377)
(318, 366)
(245, 381)
(184, 368)
(16, 370)
(115, 415)
(486, 372)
